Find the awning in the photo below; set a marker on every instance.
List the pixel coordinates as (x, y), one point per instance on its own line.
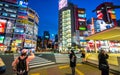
(109, 34)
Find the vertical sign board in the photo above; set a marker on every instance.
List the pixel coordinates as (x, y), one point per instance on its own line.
(62, 4)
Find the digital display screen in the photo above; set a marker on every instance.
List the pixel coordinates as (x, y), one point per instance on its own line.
(23, 4)
(2, 25)
(101, 25)
(1, 39)
(11, 1)
(82, 28)
(19, 30)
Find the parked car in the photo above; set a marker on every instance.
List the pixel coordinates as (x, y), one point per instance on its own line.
(2, 66)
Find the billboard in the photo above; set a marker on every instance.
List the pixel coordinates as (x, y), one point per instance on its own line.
(2, 25)
(101, 25)
(1, 39)
(11, 1)
(19, 30)
(62, 3)
(23, 4)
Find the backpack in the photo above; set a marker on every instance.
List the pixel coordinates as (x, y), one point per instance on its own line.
(21, 66)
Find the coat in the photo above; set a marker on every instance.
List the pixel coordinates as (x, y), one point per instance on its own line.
(72, 60)
(102, 58)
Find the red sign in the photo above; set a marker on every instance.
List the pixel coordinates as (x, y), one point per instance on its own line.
(2, 26)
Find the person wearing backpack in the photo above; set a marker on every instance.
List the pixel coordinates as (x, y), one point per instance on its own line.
(21, 64)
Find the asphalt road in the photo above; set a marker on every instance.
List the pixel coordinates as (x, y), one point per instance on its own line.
(64, 69)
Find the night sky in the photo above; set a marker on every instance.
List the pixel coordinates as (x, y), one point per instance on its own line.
(48, 12)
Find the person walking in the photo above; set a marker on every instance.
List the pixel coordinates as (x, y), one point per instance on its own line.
(21, 64)
(72, 58)
(103, 63)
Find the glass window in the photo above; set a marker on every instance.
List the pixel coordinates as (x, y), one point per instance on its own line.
(1, 4)
(0, 8)
(4, 14)
(6, 5)
(12, 15)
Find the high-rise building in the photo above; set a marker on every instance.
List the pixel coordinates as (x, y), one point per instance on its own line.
(72, 24)
(19, 25)
(46, 38)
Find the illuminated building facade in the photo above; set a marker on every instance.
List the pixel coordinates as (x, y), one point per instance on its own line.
(105, 30)
(19, 25)
(72, 22)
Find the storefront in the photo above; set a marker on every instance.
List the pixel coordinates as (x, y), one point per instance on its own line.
(108, 40)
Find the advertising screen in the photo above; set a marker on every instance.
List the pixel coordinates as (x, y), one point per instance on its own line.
(19, 30)
(62, 3)
(31, 15)
(10, 24)
(101, 25)
(23, 4)
(28, 43)
(1, 39)
(2, 25)
(22, 17)
(99, 14)
(22, 13)
(82, 15)
(7, 41)
(11, 1)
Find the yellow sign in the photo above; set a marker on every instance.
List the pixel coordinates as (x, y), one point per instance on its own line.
(25, 21)
(1, 62)
(31, 15)
(28, 41)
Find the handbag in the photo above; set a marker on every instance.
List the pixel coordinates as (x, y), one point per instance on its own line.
(103, 66)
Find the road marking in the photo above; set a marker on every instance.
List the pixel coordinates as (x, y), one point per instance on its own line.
(35, 74)
(66, 66)
(79, 64)
(79, 72)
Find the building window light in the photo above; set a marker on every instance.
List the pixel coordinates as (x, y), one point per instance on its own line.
(6, 5)
(5, 14)
(12, 15)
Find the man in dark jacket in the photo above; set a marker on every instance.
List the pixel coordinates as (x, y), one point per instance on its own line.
(103, 63)
(72, 61)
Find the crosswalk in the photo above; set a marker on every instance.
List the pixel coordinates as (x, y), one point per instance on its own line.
(37, 62)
